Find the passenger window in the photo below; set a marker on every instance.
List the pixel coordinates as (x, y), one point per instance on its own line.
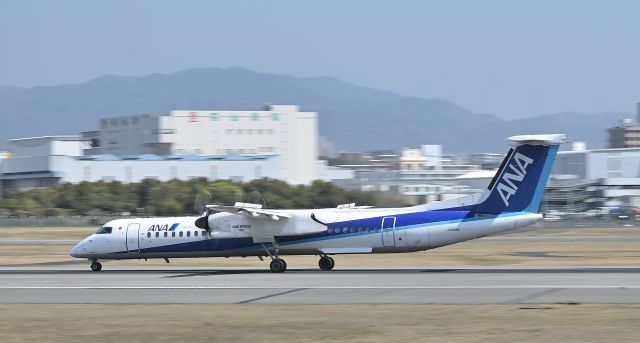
(329, 230)
(195, 234)
(173, 234)
(203, 233)
(188, 233)
(353, 229)
(166, 234)
(148, 234)
(337, 230)
(157, 234)
(360, 229)
(104, 230)
(180, 233)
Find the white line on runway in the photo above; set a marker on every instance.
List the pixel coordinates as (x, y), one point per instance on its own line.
(325, 287)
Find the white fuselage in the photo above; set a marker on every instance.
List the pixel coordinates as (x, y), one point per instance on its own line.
(350, 232)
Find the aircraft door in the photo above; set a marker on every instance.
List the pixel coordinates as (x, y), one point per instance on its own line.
(133, 238)
(388, 231)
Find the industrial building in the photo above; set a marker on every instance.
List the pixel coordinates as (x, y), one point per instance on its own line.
(281, 130)
(615, 173)
(40, 162)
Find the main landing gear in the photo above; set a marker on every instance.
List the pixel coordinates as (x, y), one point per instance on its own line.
(96, 266)
(326, 263)
(277, 264)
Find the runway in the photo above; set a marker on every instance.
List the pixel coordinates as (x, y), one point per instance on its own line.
(311, 286)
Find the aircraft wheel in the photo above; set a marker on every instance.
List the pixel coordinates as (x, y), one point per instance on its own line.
(278, 266)
(326, 263)
(96, 266)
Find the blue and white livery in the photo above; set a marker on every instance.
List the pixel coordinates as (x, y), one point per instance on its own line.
(511, 201)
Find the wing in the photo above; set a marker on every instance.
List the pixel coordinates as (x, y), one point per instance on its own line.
(253, 210)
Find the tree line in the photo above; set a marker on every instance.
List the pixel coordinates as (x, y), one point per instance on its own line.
(174, 198)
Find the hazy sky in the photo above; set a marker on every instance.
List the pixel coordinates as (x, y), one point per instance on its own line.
(511, 58)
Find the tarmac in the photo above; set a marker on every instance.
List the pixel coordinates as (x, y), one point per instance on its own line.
(344, 285)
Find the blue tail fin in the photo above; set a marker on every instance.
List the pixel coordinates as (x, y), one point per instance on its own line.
(519, 183)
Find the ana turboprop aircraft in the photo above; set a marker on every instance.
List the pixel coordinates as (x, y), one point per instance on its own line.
(511, 201)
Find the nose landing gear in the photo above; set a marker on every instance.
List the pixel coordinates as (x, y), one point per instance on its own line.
(96, 266)
(326, 263)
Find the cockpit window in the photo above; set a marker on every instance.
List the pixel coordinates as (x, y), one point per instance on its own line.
(103, 230)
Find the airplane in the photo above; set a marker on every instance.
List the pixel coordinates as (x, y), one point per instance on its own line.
(511, 201)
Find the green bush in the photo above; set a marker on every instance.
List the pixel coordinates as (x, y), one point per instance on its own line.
(53, 212)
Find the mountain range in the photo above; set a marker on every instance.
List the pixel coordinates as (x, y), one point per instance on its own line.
(351, 117)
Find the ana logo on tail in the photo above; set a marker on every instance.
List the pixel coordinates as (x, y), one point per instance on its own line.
(507, 187)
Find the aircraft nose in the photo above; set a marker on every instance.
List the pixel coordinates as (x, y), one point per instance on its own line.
(75, 251)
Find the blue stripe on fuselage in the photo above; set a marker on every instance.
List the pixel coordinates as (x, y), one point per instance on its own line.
(404, 221)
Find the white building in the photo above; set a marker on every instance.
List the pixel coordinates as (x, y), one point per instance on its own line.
(412, 159)
(48, 161)
(277, 130)
(616, 170)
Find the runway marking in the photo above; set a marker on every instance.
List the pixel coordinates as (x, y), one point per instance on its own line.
(527, 298)
(270, 296)
(329, 287)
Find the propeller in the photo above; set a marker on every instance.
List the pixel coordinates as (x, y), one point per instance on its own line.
(256, 198)
(202, 199)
